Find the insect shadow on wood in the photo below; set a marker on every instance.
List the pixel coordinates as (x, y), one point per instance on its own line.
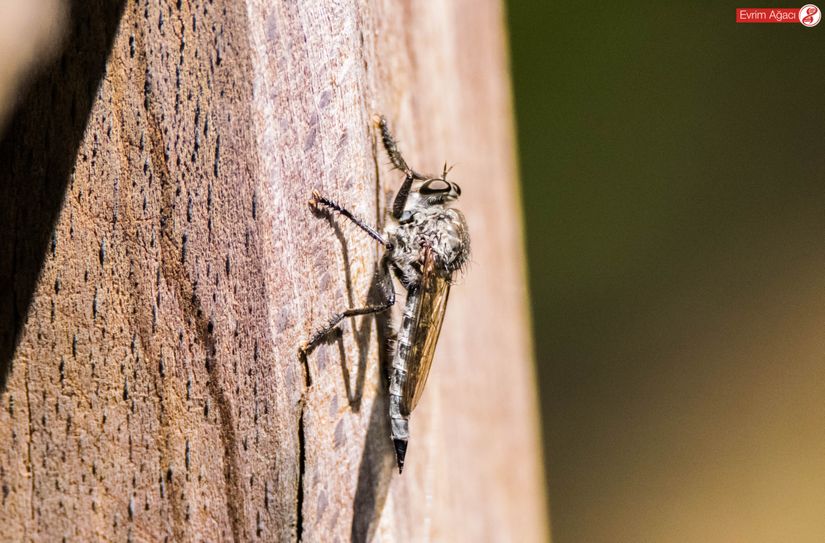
(378, 456)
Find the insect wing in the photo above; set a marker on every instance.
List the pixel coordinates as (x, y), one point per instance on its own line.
(435, 291)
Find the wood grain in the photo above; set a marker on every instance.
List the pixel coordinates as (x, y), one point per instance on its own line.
(159, 267)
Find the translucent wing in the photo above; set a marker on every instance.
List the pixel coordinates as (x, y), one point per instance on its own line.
(434, 293)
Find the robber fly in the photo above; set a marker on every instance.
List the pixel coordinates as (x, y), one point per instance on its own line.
(426, 245)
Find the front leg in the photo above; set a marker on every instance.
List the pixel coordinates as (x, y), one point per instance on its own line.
(398, 161)
(392, 149)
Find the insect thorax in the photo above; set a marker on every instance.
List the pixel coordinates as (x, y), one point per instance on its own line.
(442, 229)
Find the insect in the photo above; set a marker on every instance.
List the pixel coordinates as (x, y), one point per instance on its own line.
(426, 246)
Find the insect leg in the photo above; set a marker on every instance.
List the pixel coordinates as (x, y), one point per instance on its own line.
(392, 149)
(401, 198)
(398, 162)
(387, 291)
(318, 200)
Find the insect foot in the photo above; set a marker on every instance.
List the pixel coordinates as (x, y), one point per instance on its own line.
(316, 197)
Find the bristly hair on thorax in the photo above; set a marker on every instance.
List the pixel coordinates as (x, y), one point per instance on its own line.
(443, 230)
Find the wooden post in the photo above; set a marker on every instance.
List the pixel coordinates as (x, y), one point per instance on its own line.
(159, 266)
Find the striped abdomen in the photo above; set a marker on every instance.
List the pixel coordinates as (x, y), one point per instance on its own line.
(399, 373)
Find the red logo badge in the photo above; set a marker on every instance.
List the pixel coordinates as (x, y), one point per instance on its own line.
(809, 15)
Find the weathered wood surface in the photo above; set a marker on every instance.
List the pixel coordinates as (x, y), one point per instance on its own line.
(159, 266)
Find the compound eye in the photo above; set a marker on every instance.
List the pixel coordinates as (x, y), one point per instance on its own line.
(456, 189)
(434, 186)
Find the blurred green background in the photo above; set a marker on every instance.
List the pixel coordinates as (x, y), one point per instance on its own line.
(672, 165)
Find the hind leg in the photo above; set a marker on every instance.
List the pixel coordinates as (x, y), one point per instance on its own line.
(388, 294)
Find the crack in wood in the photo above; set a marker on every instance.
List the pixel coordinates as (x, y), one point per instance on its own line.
(29, 444)
(299, 500)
